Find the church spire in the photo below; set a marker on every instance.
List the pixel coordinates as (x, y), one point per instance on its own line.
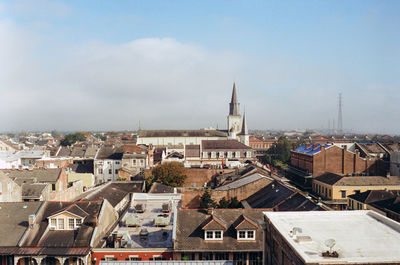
(234, 105)
(244, 131)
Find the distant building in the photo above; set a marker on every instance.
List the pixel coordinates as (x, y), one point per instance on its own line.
(10, 191)
(107, 163)
(395, 163)
(334, 189)
(312, 160)
(236, 129)
(331, 237)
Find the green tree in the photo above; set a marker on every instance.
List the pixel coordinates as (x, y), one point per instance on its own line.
(231, 203)
(72, 138)
(206, 201)
(170, 173)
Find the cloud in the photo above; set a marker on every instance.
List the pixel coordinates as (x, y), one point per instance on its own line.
(166, 83)
(40, 8)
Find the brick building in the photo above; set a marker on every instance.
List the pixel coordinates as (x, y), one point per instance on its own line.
(312, 160)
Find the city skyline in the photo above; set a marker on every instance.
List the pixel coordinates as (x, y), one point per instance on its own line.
(98, 66)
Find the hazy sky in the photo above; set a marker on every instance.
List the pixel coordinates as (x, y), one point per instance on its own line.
(105, 65)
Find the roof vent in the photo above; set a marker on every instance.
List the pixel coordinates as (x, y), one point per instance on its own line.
(31, 220)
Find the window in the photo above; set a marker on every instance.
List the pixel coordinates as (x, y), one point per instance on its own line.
(221, 154)
(71, 223)
(134, 162)
(78, 222)
(205, 155)
(330, 193)
(157, 257)
(109, 171)
(53, 222)
(221, 256)
(213, 154)
(187, 256)
(229, 154)
(53, 187)
(343, 193)
(133, 258)
(245, 234)
(116, 171)
(205, 256)
(110, 258)
(213, 235)
(237, 154)
(60, 223)
(248, 154)
(100, 171)
(117, 162)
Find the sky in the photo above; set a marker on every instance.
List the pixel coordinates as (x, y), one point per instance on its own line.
(106, 65)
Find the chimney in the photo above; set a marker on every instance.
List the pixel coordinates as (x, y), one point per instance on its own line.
(345, 147)
(31, 220)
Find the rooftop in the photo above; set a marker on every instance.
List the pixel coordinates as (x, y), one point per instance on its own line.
(157, 223)
(223, 144)
(312, 148)
(243, 181)
(337, 180)
(360, 236)
(182, 133)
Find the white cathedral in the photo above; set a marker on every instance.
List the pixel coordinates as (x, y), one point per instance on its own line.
(237, 130)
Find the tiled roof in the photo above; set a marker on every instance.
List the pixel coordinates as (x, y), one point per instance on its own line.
(371, 196)
(14, 220)
(190, 236)
(333, 179)
(223, 144)
(182, 133)
(312, 148)
(40, 175)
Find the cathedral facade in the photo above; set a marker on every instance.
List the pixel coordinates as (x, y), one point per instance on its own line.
(236, 130)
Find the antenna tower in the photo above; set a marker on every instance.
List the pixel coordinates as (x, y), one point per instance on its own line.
(340, 122)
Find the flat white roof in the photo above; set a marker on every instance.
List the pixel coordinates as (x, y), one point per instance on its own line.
(360, 236)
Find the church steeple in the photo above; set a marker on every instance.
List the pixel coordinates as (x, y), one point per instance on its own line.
(234, 105)
(244, 131)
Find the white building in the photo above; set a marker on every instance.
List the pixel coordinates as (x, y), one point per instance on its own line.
(107, 163)
(237, 129)
(331, 237)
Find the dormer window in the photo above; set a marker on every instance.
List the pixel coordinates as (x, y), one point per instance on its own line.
(69, 218)
(214, 229)
(246, 235)
(213, 235)
(245, 228)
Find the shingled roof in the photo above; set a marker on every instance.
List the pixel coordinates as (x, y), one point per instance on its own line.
(337, 180)
(47, 175)
(223, 144)
(190, 235)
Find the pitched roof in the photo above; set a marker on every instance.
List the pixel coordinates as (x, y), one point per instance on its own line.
(160, 188)
(190, 235)
(269, 196)
(40, 175)
(392, 204)
(73, 209)
(33, 190)
(113, 192)
(81, 168)
(243, 181)
(245, 223)
(182, 133)
(334, 179)
(213, 224)
(110, 152)
(223, 144)
(14, 220)
(42, 237)
(371, 196)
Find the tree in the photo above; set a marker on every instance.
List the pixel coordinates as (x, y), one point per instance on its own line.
(232, 203)
(170, 173)
(72, 138)
(206, 201)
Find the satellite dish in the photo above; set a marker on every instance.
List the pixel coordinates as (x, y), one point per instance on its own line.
(330, 243)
